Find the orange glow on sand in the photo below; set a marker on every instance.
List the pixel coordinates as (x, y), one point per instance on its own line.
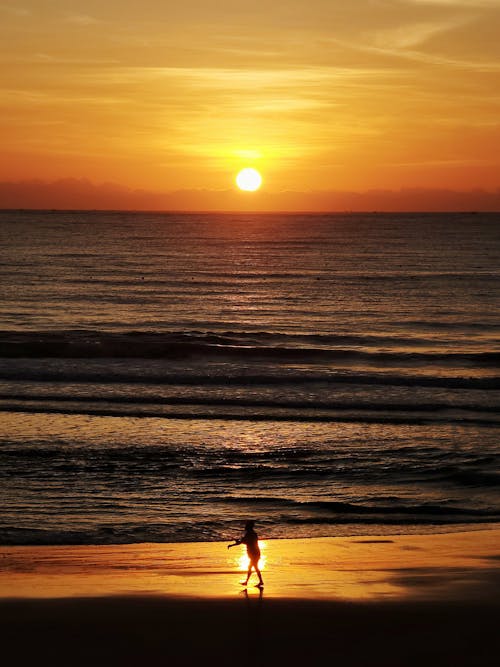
(350, 568)
(243, 561)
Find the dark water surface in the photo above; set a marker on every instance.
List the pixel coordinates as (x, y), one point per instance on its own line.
(163, 377)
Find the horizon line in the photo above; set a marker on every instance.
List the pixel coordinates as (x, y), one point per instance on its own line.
(55, 209)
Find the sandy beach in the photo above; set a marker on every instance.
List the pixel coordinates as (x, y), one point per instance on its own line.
(392, 600)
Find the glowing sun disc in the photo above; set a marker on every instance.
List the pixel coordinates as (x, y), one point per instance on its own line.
(249, 179)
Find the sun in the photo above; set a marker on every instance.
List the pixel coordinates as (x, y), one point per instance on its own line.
(249, 179)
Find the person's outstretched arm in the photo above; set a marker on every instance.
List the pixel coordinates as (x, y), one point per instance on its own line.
(236, 542)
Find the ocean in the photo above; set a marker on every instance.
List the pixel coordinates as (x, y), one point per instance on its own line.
(164, 377)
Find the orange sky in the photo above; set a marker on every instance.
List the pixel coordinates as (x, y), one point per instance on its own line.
(319, 95)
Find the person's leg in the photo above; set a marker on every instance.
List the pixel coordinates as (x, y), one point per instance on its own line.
(248, 574)
(255, 565)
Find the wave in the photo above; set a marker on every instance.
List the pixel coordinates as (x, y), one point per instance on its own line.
(109, 375)
(119, 534)
(215, 531)
(474, 478)
(424, 508)
(409, 521)
(310, 417)
(244, 402)
(296, 468)
(337, 507)
(261, 345)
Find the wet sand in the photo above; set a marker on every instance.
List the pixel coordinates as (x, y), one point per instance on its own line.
(402, 600)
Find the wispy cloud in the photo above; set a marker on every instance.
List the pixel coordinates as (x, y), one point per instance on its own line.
(81, 19)
(38, 97)
(435, 59)
(241, 79)
(395, 44)
(20, 12)
(51, 59)
(339, 92)
(445, 163)
(474, 4)
(415, 34)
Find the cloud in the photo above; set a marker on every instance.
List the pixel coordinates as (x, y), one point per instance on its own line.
(395, 43)
(43, 58)
(20, 12)
(84, 195)
(474, 4)
(237, 78)
(81, 19)
(415, 34)
(320, 92)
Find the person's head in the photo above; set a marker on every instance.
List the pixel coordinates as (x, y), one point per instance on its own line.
(249, 525)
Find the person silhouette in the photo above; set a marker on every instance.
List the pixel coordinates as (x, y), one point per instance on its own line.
(252, 543)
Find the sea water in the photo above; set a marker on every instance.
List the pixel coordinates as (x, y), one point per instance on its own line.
(164, 377)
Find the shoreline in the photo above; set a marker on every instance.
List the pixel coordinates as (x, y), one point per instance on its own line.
(351, 531)
(356, 567)
(386, 601)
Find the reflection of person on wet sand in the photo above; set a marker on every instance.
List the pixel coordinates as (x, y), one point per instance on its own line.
(252, 542)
